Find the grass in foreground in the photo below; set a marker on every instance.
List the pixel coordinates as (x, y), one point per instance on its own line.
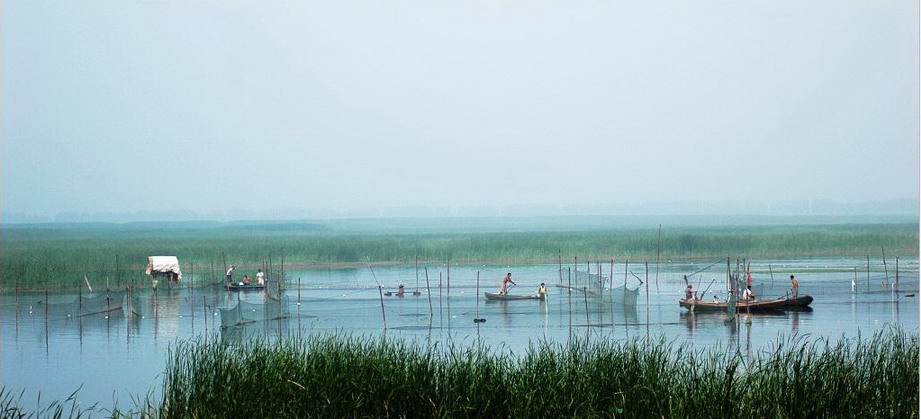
(354, 377)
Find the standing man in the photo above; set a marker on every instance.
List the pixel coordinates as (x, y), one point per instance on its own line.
(260, 277)
(689, 292)
(503, 287)
(229, 275)
(794, 284)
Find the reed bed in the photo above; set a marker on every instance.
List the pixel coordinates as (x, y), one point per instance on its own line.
(345, 376)
(57, 257)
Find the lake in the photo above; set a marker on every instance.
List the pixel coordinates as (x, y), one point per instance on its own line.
(120, 353)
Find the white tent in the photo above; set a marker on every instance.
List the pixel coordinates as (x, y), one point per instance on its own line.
(158, 265)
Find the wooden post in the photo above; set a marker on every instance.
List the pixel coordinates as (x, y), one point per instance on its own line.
(212, 282)
(658, 253)
(585, 297)
(646, 264)
(429, 289)
(569, 288)
(611, 286)
(868, 272)
(885, 267)
(560, 256)
(383, 314)
(896, 274)
(477, 318)
(575, 264)
(626, 267)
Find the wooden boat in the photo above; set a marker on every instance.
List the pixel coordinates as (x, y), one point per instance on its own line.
(508, 297)
(777, 304)
(244, 287)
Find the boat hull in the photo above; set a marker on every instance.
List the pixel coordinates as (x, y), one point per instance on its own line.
(510, 297)
(237, 287)
(778, 304)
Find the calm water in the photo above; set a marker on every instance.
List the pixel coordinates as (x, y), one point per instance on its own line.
(121, 355)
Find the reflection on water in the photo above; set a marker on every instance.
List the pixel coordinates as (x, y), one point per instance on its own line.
(125, 350)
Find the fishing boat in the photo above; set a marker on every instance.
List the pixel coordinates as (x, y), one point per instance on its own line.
(245, 287)
(777, 304)
(508, 297)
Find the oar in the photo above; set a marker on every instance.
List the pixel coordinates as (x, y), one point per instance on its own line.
(708, 289)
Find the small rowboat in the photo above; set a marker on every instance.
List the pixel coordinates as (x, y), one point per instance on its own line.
(508, 297)
(778, 304)
(238, 287)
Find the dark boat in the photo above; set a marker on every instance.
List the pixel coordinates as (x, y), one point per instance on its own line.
(508, 297)
(238, 287)
(778, 304)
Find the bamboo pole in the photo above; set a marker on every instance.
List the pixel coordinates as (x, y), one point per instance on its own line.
(429, 290)
(476, 319)
(626, 267)
(897, 274)
(868, 272)
(611, 286)
(647, 294)
(658, 253)
(560, 256)
(569, 288)
(885, 267)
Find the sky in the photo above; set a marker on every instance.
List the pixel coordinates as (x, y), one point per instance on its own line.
(281, 108)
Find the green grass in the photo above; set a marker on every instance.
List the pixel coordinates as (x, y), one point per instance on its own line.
(353, 377)
(58, 256)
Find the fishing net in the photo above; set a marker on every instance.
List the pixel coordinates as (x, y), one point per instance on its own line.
(245, 312)
(63, 306)
(600, 286)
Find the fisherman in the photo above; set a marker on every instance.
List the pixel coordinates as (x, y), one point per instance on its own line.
(542, 290)
(503, 287)
(716, 299)
(230, 275)
(260, 277)
(748, 295)
(401, 290)
(794, 284)
(689, 292)
(246, 280)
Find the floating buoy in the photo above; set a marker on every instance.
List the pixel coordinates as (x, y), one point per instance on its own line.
(479, 320)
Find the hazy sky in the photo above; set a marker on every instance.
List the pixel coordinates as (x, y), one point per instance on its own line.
(225, 105)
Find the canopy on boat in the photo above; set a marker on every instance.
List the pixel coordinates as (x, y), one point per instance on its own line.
(163, 265)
